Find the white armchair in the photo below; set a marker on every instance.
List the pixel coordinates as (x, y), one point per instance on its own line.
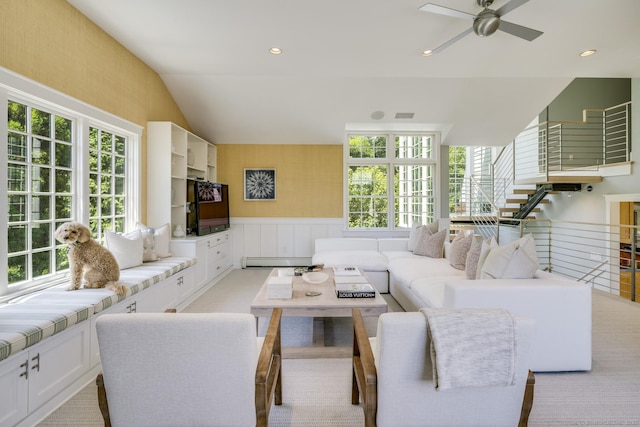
(162, 369)
(393, 375)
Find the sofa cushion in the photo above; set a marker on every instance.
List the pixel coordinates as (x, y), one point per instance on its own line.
(515, 260)
(364, 259)
(430, 244)
(406, 270)
(431, 289)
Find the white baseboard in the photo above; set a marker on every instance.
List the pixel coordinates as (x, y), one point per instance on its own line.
(275, 262)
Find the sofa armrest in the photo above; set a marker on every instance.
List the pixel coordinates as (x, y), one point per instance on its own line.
(561, 308)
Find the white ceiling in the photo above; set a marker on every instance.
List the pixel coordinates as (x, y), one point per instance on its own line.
(345, 59)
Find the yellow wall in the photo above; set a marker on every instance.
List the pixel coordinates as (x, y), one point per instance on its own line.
(308, 179)
(50, 42)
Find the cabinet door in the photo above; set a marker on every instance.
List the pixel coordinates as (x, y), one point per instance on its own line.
(58, 363)
(184, 282)
(14, 383)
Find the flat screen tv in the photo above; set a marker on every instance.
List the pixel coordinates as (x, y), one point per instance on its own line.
(209, 207)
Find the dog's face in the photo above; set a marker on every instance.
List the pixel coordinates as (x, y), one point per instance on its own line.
(72, 232)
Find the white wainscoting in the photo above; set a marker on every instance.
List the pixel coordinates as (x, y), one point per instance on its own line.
(288, 241)
(279, 240)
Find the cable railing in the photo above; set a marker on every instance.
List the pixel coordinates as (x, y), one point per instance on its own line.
(561, 148)
(607, 256)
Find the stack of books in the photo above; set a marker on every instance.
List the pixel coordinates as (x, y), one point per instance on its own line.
(351, 284)
(280, 287)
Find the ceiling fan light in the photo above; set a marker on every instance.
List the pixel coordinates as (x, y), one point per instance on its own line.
(486, 27)
(486, 23)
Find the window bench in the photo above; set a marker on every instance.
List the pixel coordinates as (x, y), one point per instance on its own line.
(48, 345)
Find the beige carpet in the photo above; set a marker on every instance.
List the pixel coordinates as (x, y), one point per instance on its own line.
(317, 391)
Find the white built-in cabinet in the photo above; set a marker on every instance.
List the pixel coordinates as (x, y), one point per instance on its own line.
(173, 156)
(39, 379)
(213, 252)
(34, 377)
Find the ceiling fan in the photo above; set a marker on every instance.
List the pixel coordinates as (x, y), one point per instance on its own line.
(486, 22)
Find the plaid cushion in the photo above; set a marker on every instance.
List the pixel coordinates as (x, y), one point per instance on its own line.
(30, 319)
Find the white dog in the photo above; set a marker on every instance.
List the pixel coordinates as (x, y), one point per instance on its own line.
(100, 267)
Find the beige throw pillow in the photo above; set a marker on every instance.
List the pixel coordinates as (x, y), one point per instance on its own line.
(459, 249)
(473, 256)
(516, 260)
(161, 240)
(429, 244)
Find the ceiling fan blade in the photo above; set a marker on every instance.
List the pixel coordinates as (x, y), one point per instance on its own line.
(441, 10)
(519, 31)
(513, 4)
(446, 44)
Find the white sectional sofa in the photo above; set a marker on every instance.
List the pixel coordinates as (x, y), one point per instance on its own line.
(560, 307)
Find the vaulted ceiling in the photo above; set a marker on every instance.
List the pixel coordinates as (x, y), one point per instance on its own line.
(343, 60)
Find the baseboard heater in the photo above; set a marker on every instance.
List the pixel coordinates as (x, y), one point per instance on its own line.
(275, 262)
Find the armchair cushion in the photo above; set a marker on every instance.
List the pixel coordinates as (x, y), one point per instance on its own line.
(400, 385)
(187, 369)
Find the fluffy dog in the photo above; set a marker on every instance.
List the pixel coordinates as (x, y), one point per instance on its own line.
(86, 255)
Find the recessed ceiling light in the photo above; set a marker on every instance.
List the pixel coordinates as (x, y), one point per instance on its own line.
(427, 53)
(588, 52)
(275, 51)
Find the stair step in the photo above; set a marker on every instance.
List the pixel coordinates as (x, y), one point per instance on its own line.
(523, 191)
(514, 210)
(523, 201)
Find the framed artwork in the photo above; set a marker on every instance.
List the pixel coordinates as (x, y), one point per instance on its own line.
(260, 184)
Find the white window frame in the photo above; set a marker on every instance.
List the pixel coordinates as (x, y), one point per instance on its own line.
(20, 89)
(390, 162)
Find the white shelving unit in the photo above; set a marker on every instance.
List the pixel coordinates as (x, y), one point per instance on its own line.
(174, 155)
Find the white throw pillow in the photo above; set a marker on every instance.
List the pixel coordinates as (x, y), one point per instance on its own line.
(516, 260)
(413, 236)
(487, 246)
(127, 248)
(161, 239)
(430, 245)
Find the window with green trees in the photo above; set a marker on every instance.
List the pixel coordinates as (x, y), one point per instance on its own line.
(391, 180)
(457, 169)
(54, 174)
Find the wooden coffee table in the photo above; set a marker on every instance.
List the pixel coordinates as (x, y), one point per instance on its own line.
(325, 305)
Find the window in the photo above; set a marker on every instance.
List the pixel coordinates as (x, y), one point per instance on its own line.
(107, 182)
(457, 170)
(61, 165)
(390, 180)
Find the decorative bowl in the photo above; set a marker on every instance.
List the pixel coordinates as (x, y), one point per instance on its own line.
(315, 277)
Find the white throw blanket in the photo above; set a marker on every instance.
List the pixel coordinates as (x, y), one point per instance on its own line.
(471, 347)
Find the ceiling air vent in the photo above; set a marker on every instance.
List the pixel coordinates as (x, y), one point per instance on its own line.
(404, 115)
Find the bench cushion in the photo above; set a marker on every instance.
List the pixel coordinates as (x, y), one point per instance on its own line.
(29, 319)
